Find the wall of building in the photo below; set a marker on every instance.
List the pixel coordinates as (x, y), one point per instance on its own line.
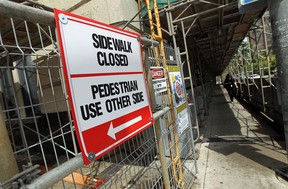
(108, 11)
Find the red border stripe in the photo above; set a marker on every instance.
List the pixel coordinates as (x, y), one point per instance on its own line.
(104, 74)
(97, 26)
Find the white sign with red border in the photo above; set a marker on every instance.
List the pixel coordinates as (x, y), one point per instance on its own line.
(105, 82)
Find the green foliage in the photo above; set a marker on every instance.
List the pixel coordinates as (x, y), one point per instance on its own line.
(253, 61)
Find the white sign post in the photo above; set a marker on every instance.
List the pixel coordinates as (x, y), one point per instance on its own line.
(105, 83)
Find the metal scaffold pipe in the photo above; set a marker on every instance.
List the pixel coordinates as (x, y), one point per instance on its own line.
(58, 173)
(15, 10)
(31, 14)
(149, 42)
(279, 22)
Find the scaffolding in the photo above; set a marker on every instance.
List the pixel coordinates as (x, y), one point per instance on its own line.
(254, 65)
(174, 150)
(37, 116)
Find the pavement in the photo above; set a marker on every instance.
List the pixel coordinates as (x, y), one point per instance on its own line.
(238, 149)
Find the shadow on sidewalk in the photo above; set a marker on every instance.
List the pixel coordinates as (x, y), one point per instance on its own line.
(221, 120)
(237, 130)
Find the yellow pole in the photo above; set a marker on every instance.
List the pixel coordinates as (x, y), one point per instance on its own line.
(176, 161)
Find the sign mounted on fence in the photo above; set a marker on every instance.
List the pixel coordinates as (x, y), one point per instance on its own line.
(105, 82)
(158, 80)
(177, 88)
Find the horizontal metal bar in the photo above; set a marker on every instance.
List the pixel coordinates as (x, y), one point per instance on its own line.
(177, 5)
(58, 173)
(187, 18)
(147, 41)
(160, 113)
(266, 86)
(16, 10)
(19, 175)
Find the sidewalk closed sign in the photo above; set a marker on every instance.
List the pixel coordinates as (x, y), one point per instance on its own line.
(105, 83)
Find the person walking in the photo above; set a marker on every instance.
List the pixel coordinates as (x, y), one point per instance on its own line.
(231, 87)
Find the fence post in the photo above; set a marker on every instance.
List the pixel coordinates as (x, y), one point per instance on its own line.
(8, 165)
(157, 127)
(278, 13)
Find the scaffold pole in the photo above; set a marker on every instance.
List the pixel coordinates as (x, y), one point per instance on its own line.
(279, 22)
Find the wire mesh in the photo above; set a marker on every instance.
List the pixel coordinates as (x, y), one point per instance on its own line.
(41, 130)
(33, 96)
(185, 139)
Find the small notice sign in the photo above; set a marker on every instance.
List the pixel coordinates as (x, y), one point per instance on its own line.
(158, 80)
(105, 83)
(177, 88)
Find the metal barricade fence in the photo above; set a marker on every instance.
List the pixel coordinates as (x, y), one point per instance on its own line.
(185, 141)
(40, 127)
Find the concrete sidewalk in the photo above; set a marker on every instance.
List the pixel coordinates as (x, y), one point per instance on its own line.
(238, 150)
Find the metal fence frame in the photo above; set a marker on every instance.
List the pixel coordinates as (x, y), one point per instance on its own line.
(261, 89)
(138, 159)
